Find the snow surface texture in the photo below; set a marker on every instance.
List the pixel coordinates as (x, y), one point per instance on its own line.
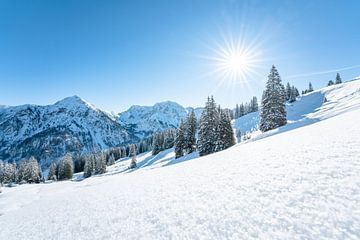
(300, 184)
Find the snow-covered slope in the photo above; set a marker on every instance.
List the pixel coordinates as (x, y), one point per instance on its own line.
(146, 120)
(301, 183)
(48, 132)
(309, 108)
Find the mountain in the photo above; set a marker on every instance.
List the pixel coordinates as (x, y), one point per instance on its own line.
(48, 132)
(300, 181)
(143, 121)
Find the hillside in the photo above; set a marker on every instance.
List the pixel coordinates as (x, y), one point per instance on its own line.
(301, 181)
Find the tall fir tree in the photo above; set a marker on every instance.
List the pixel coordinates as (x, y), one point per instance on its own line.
(225, 134)
(180, 140)
(207, 130)
(288, 91)
(292, 94)
(21, 172)
(33, 171)
(52, 175)
(133, 163)
(66, 167)
(338, 79)
(273, 113)
(310, 88)
(191, 133)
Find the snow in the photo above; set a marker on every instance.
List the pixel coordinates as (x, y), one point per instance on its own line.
(300, 182)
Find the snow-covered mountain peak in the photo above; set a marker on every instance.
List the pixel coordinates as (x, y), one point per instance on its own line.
(74, 102)
(146, 120)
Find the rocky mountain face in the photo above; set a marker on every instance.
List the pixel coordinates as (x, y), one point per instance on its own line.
(48, 132)
(142, 121)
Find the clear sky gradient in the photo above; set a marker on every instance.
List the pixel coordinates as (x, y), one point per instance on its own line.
(116, 54)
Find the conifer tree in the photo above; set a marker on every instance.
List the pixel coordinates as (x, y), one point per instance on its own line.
(288, 91)
(157, 144)
(273, 113)
(180, 140)
(338, 79)
(52, 175)
(66, 168)
(111, 160)
(191, 133)
(33, 171)
(292, 95)
(89, 167)
(21, 172)
(133, 156)
(331, 82)
(9, 173)
(310, 88)
(254, 104)
(225, 134)
(207, 130)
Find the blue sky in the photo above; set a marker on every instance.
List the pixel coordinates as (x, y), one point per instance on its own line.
(119, 53)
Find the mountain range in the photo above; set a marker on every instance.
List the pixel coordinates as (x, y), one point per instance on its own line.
(76, 126)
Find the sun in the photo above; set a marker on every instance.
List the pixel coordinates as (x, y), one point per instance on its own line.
(235, 63)
(233, 60)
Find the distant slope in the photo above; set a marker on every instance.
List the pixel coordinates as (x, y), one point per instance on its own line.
(300, 184)
(48, 132)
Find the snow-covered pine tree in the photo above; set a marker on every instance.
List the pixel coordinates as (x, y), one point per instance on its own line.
(180, 139)
(254, 104)
(133, 163)
(156, 144)
(237, 111)
(242, 110)
(21, 171)
(33, 171)
(66, 168)
(169, 139)
(273, 113)
(288, 92)
(297, 92)
(331, 82)
(225, 134)
(190, 135)
(111, 160)
(9, 173)
(89, 167)
(292, 95)
(338, 79)
(103, 163)
(53, 171)
(209, 121)
(310, 88)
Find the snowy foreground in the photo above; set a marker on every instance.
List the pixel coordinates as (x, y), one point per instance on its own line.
(299, 182)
